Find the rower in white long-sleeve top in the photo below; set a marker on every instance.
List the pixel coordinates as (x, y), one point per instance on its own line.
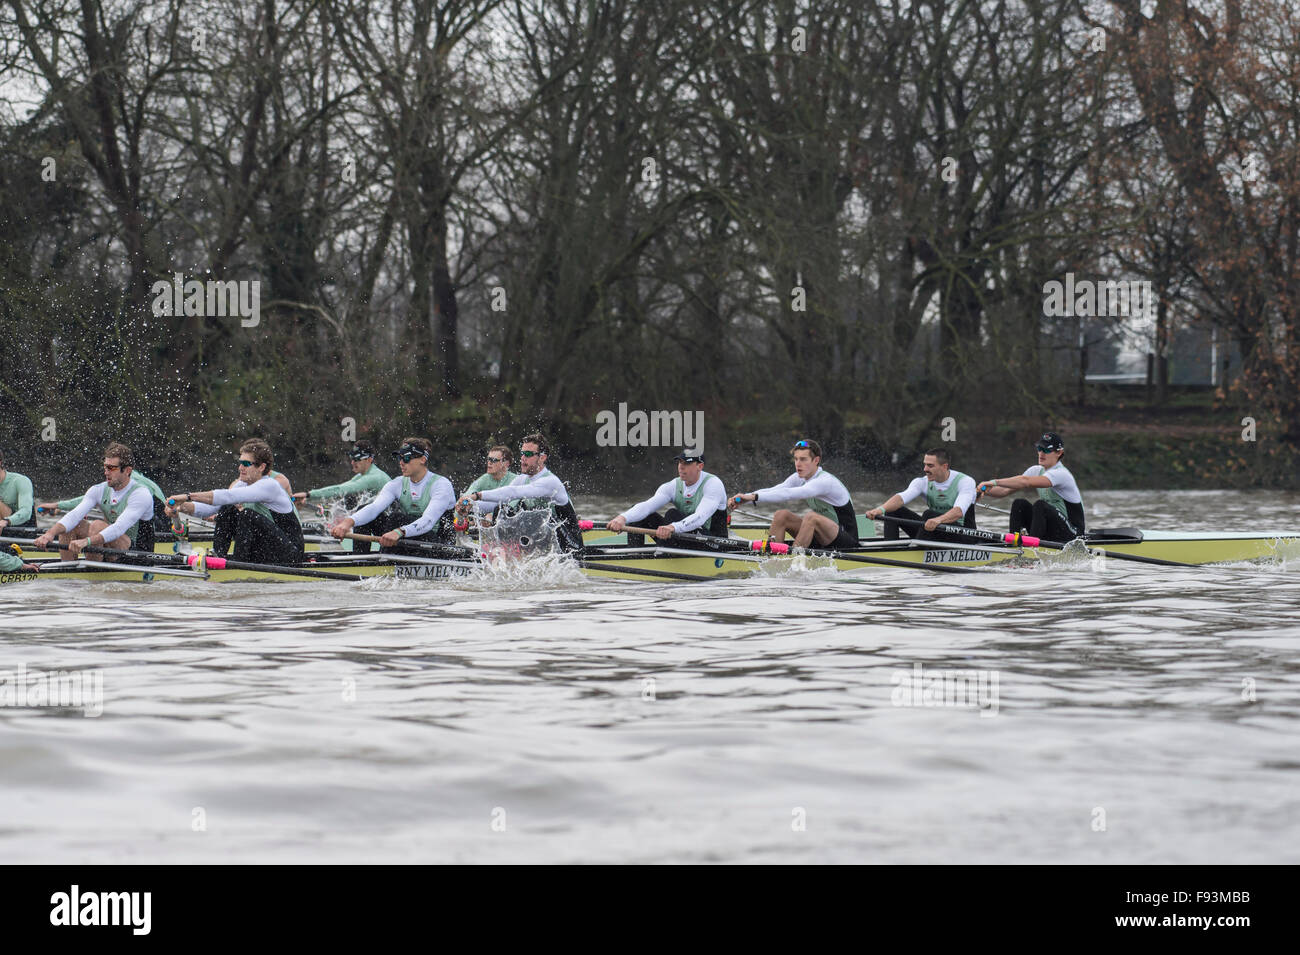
(536, 488)
(949, 498)
(255, 513)
(1057, 515)
(696, 501)
(830, 522)
(416, 506)
(127, 506)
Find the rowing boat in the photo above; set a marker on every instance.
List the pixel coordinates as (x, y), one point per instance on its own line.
(673, 562)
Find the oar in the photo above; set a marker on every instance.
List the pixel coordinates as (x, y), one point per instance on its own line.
(1024, 540)
(209, 562)
(641, 571)
(443, 550)
(756, 516)
(726, 544)
(774, 547)
(990, 507)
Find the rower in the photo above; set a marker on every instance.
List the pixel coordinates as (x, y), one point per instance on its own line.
(830, 523)
(159, 522)
(256, 513)
(698, 499)
(127, 506)
(498, 471)
(1057, 515)
(366, 478)
(949, 498)
(15, 500)
(11, 562)
(415, 506)
(536, 488)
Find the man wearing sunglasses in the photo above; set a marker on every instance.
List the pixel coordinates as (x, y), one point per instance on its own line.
(698, 499)
(831, 522)
(366, 478)
(949, 498)
(127, 506)
(16, 496)
(498, 471)
(416, 506)
(1057, 515)
(256, 512)
(536, 488)
(159, 503)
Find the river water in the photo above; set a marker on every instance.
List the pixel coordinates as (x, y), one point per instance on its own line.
(1097, 712)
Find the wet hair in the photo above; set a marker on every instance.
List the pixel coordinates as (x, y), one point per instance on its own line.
(538, 440)
(940, 455)
(259, 451)
(812, 447)
(506, 455)
(120, 451)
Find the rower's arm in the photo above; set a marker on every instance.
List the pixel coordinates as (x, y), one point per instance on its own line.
(1001, 487)
(546, 488)
(69, 521)
(442, 498)
(713, 498)
(23, 508)
(386, 496)
(661, 497)
(10, 562)
(965, 498)
(138, 506)
(355, 483)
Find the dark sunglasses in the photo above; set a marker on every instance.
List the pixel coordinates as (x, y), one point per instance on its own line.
(495, 460)
(246, 464)
(359, 455)
(529, 454)
(1042, 450)
(112, 467)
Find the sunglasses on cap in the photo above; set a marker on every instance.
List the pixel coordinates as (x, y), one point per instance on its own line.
(356, 454)
(408, 451)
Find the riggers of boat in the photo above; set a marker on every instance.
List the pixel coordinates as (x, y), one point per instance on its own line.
(744, 554)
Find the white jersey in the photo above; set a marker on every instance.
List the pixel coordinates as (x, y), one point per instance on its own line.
(965, 489)
(1062, 481)
(543, 485)
(823, 486)
(139, 507)
(713, 498)
(266, 491)
(442, 498)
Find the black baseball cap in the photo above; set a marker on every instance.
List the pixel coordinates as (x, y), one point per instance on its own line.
(1049, 442)
(689, 455)
(361, 450)
(408, 451)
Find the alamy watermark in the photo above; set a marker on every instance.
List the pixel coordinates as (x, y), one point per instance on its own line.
(211, 299)
(79, 689)
(922, 687)
(650, 429)
(1087, 298)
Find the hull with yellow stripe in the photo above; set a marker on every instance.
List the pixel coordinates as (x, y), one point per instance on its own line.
(669, 563)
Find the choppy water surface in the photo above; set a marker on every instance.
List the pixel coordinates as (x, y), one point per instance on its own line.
(584, 720)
